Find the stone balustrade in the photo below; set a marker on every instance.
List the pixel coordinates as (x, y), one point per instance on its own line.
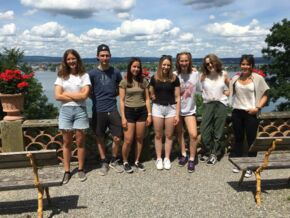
(44, 134)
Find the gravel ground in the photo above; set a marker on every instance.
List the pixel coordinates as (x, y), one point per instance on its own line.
(211, 191)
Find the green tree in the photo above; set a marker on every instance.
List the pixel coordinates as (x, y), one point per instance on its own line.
(278, 52)
(36, 104)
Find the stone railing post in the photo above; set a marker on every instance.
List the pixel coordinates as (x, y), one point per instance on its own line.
(11, 136)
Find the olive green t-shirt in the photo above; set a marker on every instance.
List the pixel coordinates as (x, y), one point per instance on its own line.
(135, 95)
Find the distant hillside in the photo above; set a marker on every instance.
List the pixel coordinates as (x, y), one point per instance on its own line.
(196, 61)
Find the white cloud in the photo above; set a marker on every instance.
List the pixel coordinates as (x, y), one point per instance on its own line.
(100, 34)
(49, 30)
(186, 37)
(7, 15)
(73, 38)
(145, 27)
(80, 9)
(211, 17)
(229, 29)
(123, 15)
(30, 12)
(8, 29)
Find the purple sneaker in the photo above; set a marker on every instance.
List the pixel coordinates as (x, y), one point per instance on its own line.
(191, 166)
(182, 160)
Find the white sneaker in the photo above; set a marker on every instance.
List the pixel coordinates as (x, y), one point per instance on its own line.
(159, 164)
(235, 170)
(248, 173)
(167, 164)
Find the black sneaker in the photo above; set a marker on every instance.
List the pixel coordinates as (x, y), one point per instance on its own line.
(127, 168)
(66, 177)
(139, 166)
(212, 160)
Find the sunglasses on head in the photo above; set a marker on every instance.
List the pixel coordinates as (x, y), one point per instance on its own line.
(166, 57)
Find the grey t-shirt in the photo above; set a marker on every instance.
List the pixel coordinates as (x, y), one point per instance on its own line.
(135, 95)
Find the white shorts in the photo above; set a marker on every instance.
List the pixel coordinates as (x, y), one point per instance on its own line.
(164, 111)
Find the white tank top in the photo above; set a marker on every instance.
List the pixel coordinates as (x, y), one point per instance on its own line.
(244, 97)
(213, 90)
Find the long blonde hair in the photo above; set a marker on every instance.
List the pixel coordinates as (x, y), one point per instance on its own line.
(159, 75)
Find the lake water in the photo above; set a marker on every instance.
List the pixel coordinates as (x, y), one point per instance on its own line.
(47, 79)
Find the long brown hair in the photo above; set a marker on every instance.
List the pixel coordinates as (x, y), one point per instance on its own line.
(64, 69)
(215, 61)
(159, 75)
(178, 68)
(139, 78)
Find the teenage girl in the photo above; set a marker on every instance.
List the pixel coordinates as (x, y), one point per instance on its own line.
(72, 88)
(165, 93)
(135, 111)
(189, 83)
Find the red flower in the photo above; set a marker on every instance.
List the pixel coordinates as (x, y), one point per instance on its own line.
(146, 73)
(13, 81)
(260, 72)
(22, 85)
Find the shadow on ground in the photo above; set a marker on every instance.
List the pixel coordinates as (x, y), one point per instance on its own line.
(58, 205)
(269, 184)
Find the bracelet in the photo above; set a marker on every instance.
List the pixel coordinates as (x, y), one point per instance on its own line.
(149, 114)
(259, 108)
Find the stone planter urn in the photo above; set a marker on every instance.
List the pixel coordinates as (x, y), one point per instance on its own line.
(12, 104)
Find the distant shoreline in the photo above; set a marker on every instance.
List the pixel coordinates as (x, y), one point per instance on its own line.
(48, 59)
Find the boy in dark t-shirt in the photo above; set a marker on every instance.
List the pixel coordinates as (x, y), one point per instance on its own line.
(105, 80)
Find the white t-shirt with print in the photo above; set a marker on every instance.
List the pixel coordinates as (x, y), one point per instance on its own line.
(74, 83)
(189, 85)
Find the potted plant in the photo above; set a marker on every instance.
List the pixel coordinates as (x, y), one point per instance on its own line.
(13, 85)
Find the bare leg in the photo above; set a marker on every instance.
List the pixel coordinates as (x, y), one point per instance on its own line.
(67, 141)
(180, 135)
(115, 146)
(128, 139)
(158, 124)
(80, 141)
(140, 130)
(101, 147)
(192, 131)
(169, 130)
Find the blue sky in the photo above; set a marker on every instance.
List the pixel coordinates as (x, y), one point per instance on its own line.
(227, 28)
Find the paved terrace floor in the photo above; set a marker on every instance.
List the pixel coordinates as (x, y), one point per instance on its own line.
(211, 191)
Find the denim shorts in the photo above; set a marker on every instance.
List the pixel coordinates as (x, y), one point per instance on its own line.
(73, 117)
(164, 111)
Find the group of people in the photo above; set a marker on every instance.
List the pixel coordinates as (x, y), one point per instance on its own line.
(167, 101)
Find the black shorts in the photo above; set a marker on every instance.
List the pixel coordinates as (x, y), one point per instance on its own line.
(136, 114)
(103, 120)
